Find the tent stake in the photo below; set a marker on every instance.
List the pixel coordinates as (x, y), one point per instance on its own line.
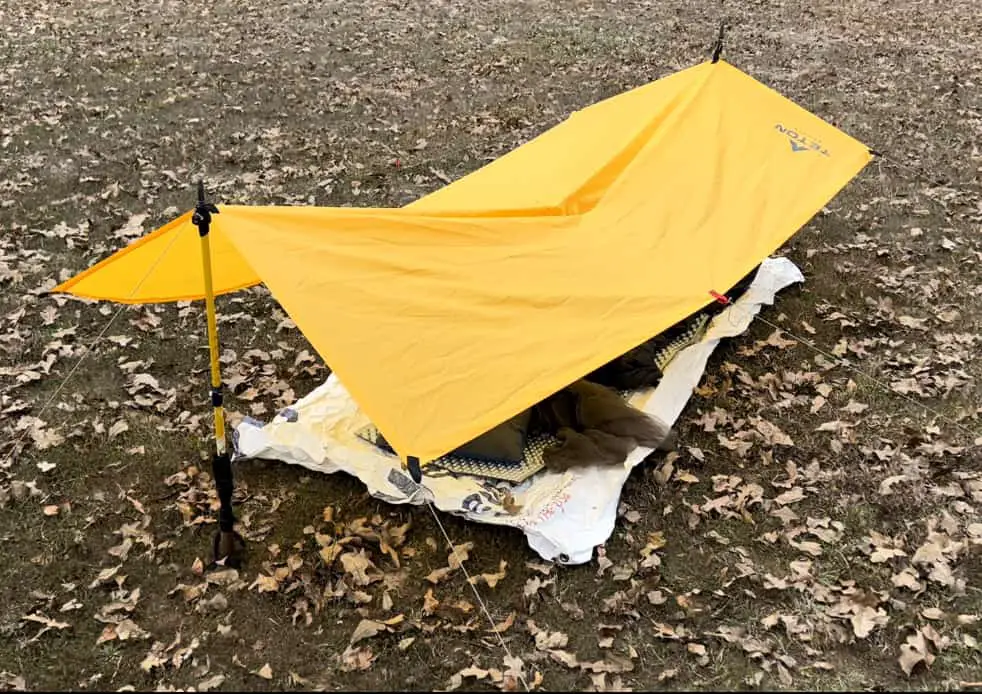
(228, 543)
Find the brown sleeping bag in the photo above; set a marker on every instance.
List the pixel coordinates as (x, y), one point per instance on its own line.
(595, 425)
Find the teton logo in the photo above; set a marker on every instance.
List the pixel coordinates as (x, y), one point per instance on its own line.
(801, 142)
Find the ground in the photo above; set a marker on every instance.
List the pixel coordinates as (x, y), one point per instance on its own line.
(816, 529)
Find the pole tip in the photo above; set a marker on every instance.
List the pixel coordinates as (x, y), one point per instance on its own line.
(201, 190)
(718, 46)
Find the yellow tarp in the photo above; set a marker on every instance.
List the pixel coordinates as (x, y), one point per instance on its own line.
(447, 317)
(563, 170)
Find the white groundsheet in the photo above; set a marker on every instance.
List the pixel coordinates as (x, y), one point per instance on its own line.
(563, 515)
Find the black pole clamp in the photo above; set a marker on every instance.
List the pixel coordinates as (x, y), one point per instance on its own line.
(217, 397)
(203, 212)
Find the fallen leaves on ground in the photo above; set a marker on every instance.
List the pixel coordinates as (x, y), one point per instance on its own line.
(809, 511)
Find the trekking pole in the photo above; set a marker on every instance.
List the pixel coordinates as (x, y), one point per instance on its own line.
(228, 543)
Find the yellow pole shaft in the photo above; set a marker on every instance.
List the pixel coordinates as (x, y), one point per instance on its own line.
(216, 372)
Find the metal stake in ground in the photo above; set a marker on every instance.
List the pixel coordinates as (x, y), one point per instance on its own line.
(228, 544)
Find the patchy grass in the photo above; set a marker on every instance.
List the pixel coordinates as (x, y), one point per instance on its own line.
(811, 565)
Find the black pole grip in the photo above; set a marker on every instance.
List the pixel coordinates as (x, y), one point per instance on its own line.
(221, 469)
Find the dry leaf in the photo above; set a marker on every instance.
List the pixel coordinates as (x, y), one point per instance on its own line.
(331, 552)
(224, 577)
(118, 428)
(855, 407)
(457, 679)
(667, 674)
(882, 554)
(656, 597)
(812, 548)
(47, 622)
(913, 652)
(154, 659)
(549, 640)
(212, 682)
(533, 585)
(356, 659)
(491, 579)
(656, 540)
(105, 576)
(907, 579)
(366, 629)
(564, 657)
(603, 563)
(357, 565)
(459, 555)
(267, 584)
(866, 619)
(430, 603)
(790, 496)
(11, 682)
(438, 575)
(217, 603)
(502, 627)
